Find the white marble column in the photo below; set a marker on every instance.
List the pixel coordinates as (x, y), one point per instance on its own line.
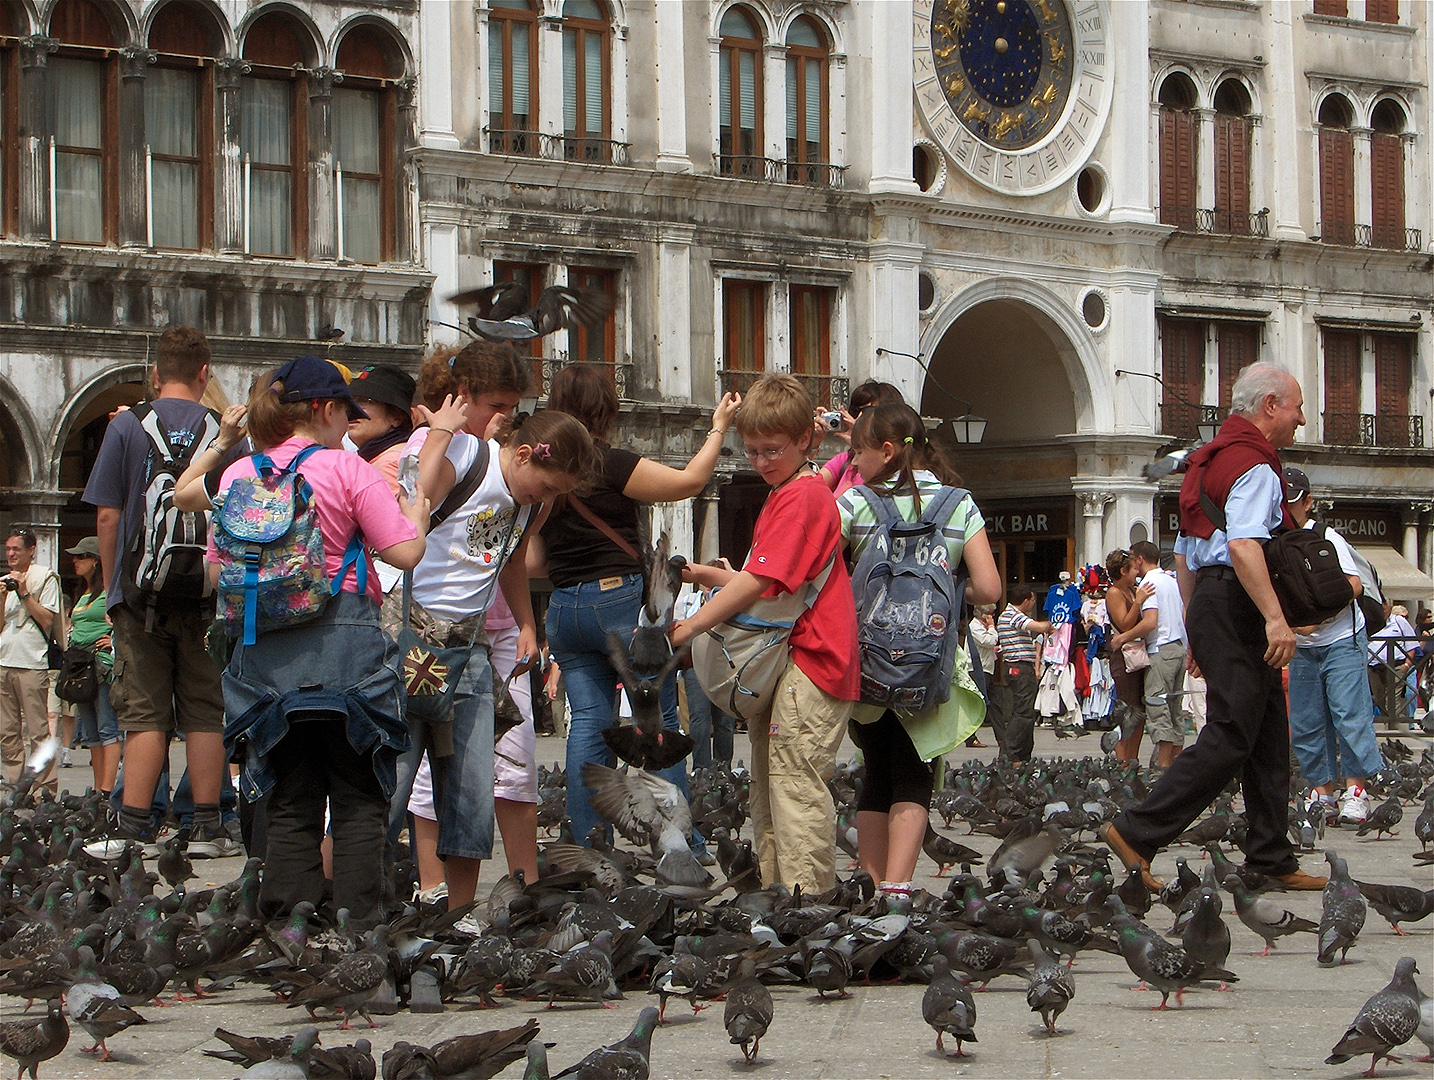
(671, 90)
(774, 100)
(1363, 179)
(441, 260)
(1287, 109)
(1093, 504)
(1410, 519)
(435, 84)
(889, 99)
(550, 75)
(1131, 130)
(674, 307)
(891, 314)
(1205, 160)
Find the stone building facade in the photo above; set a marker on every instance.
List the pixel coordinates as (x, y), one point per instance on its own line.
(1073, 218)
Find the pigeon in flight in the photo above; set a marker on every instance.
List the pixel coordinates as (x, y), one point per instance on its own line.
(504, 315)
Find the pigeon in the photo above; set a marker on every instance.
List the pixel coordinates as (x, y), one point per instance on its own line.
(1264, 916)
(828, 962)
(408, 1061)
(174, 865)
(643, 666)
(584, 972)
(1050, 987)
(1424, 823)
(1170, 463)
(558, 307)
(1388, 1019)
(1426, 1024)
(497, 302)
(483, 967)
(249, 1050)
(946, 853)
(1159, 964)
(343, 1062)
(537, 1067)
(478, 1057)
(293, 1067)
(628, 1059)
(948, 1007)
(1383, 818)
(1024, 857)
(1398, 903)
(678, 975)
(981, 956)
(349, 984)
(1343, 915)
(648, 809)
(97, 1006)
(748, 1013)
(32, 1041)
(1206, 937)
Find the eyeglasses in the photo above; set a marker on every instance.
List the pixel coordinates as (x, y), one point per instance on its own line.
(768, 455)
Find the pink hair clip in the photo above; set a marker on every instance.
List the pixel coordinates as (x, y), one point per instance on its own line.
(542, 451)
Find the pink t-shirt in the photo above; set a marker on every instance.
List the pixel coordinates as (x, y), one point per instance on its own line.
(349, 494)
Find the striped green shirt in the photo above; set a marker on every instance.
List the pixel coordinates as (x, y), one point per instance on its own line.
(859, 525)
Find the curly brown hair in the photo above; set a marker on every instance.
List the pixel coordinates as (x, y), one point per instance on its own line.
(479, 367)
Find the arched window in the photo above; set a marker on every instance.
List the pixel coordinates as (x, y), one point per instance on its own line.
(1179, 142)
(272, 137)
(80, 87)
(1336, 171)
(179, 127)
(739, 92)
(364, 148)
(586, 87)
(1386, 167)
(512, 77)
(807, 104)
(1232, 158)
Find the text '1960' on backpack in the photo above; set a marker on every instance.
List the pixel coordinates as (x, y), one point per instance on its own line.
(908, 604)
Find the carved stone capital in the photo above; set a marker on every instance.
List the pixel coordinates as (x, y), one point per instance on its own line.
(36, 50)
(1095, 502)
(134, 60)
(322, 81)
(406, 88)
(229, 70)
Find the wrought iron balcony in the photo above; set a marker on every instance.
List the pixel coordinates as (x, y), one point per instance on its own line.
(521, 142)
(833, 391)
(815, 173)
(544, 369)
(1218, 222)
(1387, 237)
(1183, 421)
(1393, 430)
(747, 167)
(584, 149)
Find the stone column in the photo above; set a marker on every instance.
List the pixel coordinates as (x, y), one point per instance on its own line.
(323, 210)
(549, 44)
(435, 30)
(1363, 181)
(1131, 130)
(34, 135)
(774, 101)
(674, 308)
(671, 90)
(405, 172)
(229, 223)
(891, 113)
(1409, 518)
(1093, 504)
(1205, 161)
(705, 518)
(134, 208)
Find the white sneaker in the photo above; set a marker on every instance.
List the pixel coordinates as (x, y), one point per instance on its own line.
(218, 846)
(1354, 806)
(430, 896)
(64, 759)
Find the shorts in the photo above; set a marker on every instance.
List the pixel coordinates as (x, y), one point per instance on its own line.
(515, 757)
(165, 679)
(95, 721)
(893, 774)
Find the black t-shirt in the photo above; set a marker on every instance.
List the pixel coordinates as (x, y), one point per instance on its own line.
(577, 550)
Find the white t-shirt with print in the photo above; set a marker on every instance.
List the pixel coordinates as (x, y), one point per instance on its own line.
(458, 575)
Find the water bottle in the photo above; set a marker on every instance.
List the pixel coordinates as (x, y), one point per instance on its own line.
(408, 476)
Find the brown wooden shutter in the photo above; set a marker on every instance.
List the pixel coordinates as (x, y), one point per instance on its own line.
(1237, 345)
(1179, 136)
(1386, 156)
(1182, 359)
(1341, 387)
(1392, 377)
(1381, 11)
(1336, 185)
(1232, 174)
(1338, 8)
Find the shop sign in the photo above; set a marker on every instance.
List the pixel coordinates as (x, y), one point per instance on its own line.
(1008, 521)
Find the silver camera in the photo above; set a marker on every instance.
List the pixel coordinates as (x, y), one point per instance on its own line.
(832, 420)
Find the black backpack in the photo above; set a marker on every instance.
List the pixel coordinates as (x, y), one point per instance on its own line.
(1304, 569)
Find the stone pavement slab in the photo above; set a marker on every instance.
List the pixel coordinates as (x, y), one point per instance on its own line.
(1280, 1020)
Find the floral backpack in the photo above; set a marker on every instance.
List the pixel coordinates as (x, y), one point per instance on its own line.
(271, 554)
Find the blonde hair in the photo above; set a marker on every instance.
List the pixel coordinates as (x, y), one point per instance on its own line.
(775, 405)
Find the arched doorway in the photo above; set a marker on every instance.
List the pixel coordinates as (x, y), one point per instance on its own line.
(87, 422)
(1013, 364)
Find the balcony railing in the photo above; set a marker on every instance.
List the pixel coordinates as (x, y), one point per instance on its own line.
(586, 150)
(544, 369)
(832, 391)
(521, 142)
(747, 167)
(1183, 421)
(1392, 430)
(815, 173)
(1219, 222)
(1354, 234)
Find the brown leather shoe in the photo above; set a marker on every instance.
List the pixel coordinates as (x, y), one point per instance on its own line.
(1300, 881)
(1129, 856)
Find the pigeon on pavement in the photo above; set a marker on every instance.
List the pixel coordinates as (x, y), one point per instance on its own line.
(97, 1006)
(1388, 1019)
(948, 1007)
(1159, 964)
(1398, 903)
(1206, 937)
(1050, 988)
(628, 1059)
(32, 1041)
(293, 1067)
(748, 1013)
(1264, 916)
(648, 809)
(349, 984)
(1382, 819)
(1343, 914)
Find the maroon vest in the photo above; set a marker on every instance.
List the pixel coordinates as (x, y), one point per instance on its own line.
(1237, 449)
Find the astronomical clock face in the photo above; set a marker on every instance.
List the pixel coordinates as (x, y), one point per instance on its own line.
(1015, 91)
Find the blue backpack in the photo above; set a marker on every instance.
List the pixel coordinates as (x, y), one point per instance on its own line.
(272, 572)
(908, 604)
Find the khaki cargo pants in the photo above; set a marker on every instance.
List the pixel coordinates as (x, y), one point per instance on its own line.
(793, 816)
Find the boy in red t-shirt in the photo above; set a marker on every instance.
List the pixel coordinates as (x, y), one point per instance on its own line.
(796, 536)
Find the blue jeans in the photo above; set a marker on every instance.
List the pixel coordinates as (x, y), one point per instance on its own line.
(711, 729)
(462, 782)
(95, 721)
(579, 620)
(1332, 712)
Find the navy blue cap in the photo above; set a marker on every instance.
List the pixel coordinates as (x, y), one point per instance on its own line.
(307, 378)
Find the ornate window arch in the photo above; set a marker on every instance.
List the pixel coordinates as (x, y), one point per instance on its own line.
(365, 119)
(808, 104)
(740, 90)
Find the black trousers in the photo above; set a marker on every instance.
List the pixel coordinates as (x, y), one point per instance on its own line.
(1246, 735)
(894, 773)
(314, 765)
(1019, 740)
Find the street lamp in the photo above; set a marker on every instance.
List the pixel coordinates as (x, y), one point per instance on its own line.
(966, 429)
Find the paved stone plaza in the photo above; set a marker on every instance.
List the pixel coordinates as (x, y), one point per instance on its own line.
(1280, 1020)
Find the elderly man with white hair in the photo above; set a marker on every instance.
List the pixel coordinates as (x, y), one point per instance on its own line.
(1232, 500)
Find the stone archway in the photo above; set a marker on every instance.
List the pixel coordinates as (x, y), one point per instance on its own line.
(76, 439)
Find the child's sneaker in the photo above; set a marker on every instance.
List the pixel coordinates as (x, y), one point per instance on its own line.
(1354, 806)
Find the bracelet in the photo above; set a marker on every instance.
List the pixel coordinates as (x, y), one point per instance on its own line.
(435, 427)
(716, 431)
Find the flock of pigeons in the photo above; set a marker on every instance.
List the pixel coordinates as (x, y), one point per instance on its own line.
(99, 942)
